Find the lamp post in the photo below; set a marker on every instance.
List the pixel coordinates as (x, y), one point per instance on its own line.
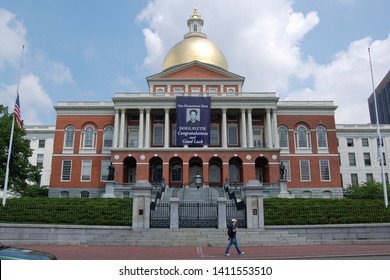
(198, 181)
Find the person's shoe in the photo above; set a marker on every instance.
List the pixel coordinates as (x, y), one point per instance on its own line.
(227, 255)
(241, 253)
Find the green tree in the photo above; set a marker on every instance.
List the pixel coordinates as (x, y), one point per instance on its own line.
(21, 171)
(368, 190)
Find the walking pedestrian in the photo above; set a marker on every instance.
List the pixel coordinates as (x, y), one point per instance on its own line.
(233, 238)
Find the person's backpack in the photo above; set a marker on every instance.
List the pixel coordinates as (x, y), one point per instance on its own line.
(230, 232)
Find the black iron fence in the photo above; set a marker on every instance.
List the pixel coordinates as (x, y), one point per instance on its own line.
(122, 215)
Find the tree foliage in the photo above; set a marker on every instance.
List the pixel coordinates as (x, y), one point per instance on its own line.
(21, 171)
(368, 190)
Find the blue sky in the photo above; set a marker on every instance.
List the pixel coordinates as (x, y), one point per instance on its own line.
(88, 50)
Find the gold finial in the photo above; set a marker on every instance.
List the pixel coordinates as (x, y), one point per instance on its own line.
(195, 15)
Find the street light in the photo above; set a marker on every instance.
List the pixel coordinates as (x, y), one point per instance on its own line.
(198, 181)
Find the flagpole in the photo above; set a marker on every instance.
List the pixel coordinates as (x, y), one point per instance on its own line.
(379, 138)
(12, 134)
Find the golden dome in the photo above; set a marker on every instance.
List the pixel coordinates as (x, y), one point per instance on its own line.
(195, 46)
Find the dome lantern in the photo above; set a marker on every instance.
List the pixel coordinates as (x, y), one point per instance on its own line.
(195, 46)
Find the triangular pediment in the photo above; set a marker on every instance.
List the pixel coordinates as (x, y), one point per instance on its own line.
(195, 70)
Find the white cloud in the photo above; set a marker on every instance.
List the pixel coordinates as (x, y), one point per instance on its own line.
(12, 38)
(59, 73)
(261, 41)
(264, 47)
(35, 102)
(347, 79)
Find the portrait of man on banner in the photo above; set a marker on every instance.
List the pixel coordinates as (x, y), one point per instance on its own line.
(193, 118)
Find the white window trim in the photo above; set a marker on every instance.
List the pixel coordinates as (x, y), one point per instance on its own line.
(162, 134)
(261, 136)
(70, 171)
(298, 149)
(129, 130)
(92, 149)
(228, 138)
(330, 177)
(82, 170)
(326, 148)
(300, 170)
(218, 138)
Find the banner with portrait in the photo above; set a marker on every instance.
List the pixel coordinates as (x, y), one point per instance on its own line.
(192, 120)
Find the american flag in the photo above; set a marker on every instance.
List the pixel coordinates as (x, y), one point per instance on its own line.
(17, 112)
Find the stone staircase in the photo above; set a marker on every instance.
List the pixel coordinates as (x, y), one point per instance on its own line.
(196, 237)
(205, 195)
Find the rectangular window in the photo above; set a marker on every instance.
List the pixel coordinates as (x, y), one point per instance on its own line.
(352, 159)
(367, 159)
(158, 135)
(305, 170)
(86, 168)
(257, 137)
(325, 171)
(66, 170)
(104, 171)
(354, 179)
(214, 135)
(174, 135)
(133, 137)
(350, 142)
(232, 135)
(177, 90)
(41, 143)
(40, 160)
(213, 90)
(369, 177)
(365, 142)
(195, 90)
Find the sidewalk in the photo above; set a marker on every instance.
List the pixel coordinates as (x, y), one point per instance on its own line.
(67, 252)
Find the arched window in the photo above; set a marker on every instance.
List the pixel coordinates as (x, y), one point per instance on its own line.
(89, 133)
(108, 135)
(302, 137)
(176, 171)
(215, 172)
(322, 139)
(283, 136)
(69, 137)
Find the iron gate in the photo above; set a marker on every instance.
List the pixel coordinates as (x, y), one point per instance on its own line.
(160, 216)
(198, 215)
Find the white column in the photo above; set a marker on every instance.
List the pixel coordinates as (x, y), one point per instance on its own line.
(243, 129)
(268, 135)
(250, 129)
(116, 129)
(122, 129)
(147, 129)
(224, 128)
(275, 128)
(166, 128)
(141, 128)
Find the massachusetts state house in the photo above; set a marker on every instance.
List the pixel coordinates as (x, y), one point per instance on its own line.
(195, 120)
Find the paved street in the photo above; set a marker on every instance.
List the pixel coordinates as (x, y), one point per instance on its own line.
(66, 252)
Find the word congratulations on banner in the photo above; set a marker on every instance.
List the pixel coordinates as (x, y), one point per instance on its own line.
(192, 120)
